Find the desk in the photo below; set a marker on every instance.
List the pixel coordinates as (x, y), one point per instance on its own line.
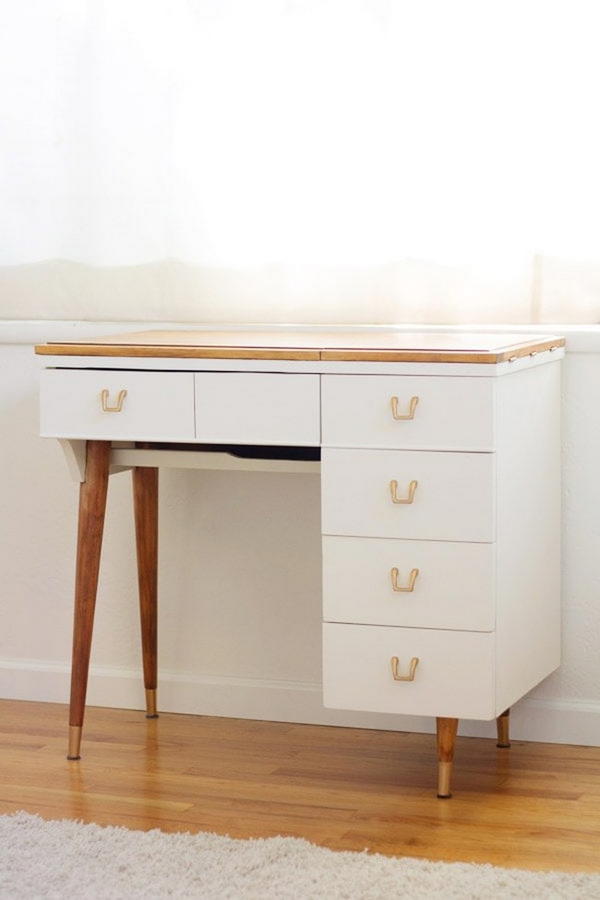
(439, 458)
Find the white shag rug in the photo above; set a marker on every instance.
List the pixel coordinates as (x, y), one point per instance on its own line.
(40, 859)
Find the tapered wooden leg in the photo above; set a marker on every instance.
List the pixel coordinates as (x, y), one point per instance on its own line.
(502, 724)
(446, 739)
(145, 501)
(92, 506)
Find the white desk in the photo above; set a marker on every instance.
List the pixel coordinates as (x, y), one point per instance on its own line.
(440, 483)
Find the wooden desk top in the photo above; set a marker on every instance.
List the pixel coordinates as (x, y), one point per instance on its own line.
(378, 346)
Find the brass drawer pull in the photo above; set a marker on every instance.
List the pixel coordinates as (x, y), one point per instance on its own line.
(411, 492)
(118, 405)
(411, 581)
(411, 669)
(411, 408)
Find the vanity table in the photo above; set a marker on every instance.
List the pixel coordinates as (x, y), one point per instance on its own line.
(439, 457)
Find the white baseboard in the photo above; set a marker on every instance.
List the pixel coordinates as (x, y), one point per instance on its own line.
(556, 721)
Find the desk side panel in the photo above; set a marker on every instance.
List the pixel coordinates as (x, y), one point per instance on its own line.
(528, 531)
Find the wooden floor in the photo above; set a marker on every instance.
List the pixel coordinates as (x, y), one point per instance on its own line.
(533, 806)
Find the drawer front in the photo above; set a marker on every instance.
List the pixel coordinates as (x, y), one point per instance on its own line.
(420, 584)
(156, 405)
(454, 676)
(453, 499)
(447, 413)
(254, 408)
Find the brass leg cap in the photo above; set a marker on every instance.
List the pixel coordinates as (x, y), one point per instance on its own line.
(151, 703)
(74, 742)
(503, 746)
(444, 775)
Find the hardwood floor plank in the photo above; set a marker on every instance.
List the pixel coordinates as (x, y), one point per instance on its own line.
(535, 806)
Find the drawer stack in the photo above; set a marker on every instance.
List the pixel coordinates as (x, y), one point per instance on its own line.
(409, 553)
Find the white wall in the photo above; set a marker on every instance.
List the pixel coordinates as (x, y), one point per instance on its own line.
(316, 160)
(240, 575)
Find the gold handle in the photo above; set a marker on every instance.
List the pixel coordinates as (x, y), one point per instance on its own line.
(118, 405)
(411, 408)
(411, 669)
(411, 581)
(411, 492)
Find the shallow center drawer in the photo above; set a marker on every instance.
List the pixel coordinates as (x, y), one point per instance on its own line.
(117, 405)
(257, 408)
(420, 584)
(408, 494)
(421, 412)
(454, 675)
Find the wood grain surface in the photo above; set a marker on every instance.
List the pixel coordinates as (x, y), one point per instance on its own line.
(535, 806)
(92, 509)
(380, 346)
(145, 508)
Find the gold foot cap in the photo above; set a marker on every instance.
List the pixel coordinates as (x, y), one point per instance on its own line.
(74, 742)
(444, 775)
(151, 703)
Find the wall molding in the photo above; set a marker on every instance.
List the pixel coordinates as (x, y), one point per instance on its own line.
(533, 719)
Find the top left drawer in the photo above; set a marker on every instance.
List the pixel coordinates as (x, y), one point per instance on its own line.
(111, 405)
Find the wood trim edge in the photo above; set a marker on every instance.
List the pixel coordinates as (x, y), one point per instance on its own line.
(147, 352)
(340, 355)
(446, 356)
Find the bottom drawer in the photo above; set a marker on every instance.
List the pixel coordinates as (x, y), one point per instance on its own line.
(454, 676)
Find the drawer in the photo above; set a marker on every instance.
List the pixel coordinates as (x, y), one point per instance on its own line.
(156, 405)
(368, 580)
(454, 676)
(448, 413)
(453, 499)
(255, 408)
